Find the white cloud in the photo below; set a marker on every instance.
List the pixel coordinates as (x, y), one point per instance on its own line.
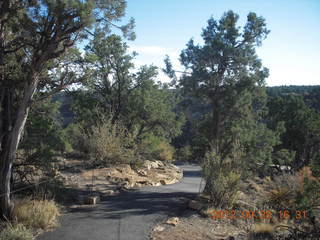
(149, 50)
(155, 55)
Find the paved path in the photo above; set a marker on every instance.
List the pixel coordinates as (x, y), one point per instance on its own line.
(130, 215)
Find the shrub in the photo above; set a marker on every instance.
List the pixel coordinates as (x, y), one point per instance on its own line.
(297, 192)
(222, 180)
(36, 213)
(16, 232)
(315, 165)
(165, 151)
(109, 143)
(184, 154)
(156, 148)
(282, 191)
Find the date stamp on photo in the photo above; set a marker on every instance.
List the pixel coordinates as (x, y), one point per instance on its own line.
(257, 214)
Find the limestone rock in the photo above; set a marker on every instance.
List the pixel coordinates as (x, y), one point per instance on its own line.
(125, 168)
(168, 181)
(173, 221)
(158, 229)
(142, 172)
(150, 164)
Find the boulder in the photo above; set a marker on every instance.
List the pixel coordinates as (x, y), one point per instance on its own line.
(155, 184)
(142, 172)
(109, 192)
(158, 229)
(168, 181)
(125, 168)
(150, 164)
(127, 185)
(173, 221)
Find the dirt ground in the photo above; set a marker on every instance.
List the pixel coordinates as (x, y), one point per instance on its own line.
(192, 226)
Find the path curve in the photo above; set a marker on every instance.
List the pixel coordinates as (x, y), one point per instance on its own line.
(129, 215)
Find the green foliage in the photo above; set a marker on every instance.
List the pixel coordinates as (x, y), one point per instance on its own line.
(315, 165)
(184, 154)
(37, 59)
(296, 192)
(43, 137)
(283, 157)
(108, 143)
(152, 109)
(114, 92)
(152, 147)
(16, 232)
(227, 76)
(310, 94)
(222, 180)
(301, 124)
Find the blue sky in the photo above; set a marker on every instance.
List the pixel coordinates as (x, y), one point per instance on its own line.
(291, 51)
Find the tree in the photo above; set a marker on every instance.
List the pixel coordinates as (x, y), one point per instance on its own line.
(152, 107)
(115, 89)
(301, 133)
(226, 74)
(34, 37)
(110, 78)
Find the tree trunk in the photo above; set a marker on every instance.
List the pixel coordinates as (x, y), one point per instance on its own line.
(9, 146)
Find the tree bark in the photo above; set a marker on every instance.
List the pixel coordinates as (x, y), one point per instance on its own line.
(10, 143)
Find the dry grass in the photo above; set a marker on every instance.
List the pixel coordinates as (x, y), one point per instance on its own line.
(16, 232)
(262, 231)
(36, 214)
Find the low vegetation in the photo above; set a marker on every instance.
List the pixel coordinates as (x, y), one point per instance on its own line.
(36, 214)
(16, 232)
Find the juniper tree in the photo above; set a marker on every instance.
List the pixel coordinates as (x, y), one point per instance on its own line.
(227, 75)
(34, 35)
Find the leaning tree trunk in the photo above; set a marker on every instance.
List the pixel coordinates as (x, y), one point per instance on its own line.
(9, 144)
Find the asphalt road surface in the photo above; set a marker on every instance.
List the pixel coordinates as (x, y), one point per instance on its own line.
(130, 215)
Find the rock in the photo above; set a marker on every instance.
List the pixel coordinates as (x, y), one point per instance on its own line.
(127, 185)
(125, 168)
(91, 200)
(155, 184)
(159, 163)
(143, 182)
(158, 229)
(195, 205)
(167, 181)
(142, 172)
(110, 172)
(173, 221)
(150, 164)
(109, 192)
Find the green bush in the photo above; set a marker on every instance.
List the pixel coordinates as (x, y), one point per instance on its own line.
(153, 147)
(16, 232)
(184, 154)
(222, 180)
(297, 192)
(109, 143)
(315, 166)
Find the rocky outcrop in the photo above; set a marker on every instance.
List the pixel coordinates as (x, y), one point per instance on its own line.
(152, 173)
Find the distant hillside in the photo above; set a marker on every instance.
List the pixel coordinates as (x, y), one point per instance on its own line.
(311, 94)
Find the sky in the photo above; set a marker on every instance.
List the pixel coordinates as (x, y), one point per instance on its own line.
(291, 51)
